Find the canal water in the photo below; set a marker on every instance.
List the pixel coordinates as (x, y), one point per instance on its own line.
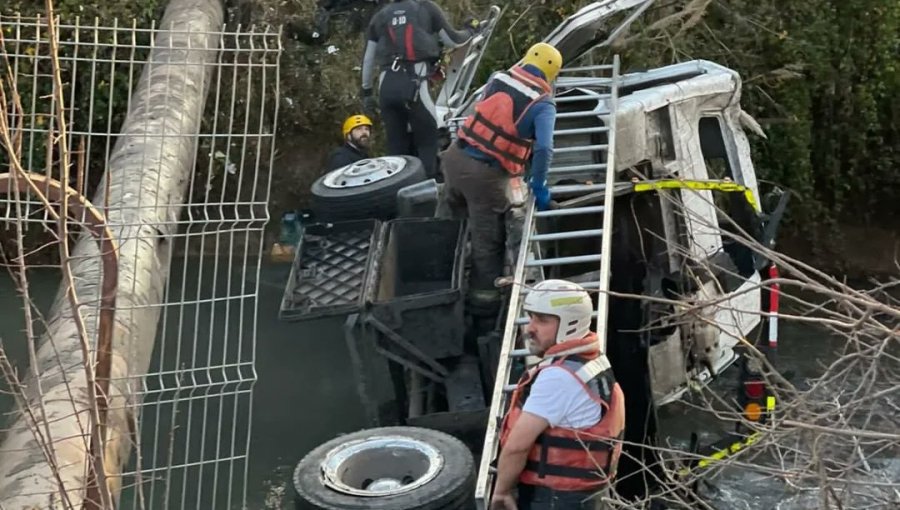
(305, 395)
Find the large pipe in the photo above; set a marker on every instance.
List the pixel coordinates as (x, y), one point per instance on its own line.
(143, 192)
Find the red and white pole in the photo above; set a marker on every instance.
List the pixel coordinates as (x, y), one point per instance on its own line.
(774, 291)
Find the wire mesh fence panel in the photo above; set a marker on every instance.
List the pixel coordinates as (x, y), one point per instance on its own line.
(183, 354)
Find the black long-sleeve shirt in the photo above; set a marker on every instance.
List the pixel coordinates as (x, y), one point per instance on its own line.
(435, 23)
(345, 155)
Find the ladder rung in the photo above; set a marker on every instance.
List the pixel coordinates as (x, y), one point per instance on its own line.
(509, 388)
(581, 131)
(577, 168)
(580, 148)
(597, 67)
(573, 211)
(586, 285)
(586, 81)
(582, 97)
(519, 353)
(521, 321)
(576, 188)
(561, 261)
(582, 115)
(572, 234)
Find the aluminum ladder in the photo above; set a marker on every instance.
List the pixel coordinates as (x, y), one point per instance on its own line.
(530, 266)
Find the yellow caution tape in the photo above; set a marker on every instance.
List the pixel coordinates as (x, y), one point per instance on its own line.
(725, 186)
(723, 453)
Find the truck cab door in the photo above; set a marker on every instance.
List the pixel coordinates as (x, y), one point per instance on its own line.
(588, 28)
(460, 71)
(591, 27)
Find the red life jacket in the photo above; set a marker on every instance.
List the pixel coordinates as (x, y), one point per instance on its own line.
(567, 459)
(492, 128)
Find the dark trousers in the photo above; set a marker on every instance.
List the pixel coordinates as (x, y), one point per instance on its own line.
(476, 190)
(542, 498)
(407, 111)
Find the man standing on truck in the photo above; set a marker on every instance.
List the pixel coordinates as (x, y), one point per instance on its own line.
(357, 131)
(513, 122)
(561, 439)
(404, 40)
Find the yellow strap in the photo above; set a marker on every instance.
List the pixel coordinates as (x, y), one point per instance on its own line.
(725, 186)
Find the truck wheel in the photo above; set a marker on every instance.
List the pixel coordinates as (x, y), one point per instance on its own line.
(389, 468)
(365, 189)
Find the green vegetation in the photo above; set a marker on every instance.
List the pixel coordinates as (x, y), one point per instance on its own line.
(821, 76)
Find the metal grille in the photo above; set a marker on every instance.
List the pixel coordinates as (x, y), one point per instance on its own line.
(330, 269)
(191, 408)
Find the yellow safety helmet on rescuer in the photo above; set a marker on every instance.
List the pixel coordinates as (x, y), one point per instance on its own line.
(546, 58)
(354, 121)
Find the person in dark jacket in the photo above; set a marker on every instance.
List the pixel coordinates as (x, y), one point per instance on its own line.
(357, 132)
(404, 39)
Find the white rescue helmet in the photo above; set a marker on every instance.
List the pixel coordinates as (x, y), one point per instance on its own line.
(566, 300)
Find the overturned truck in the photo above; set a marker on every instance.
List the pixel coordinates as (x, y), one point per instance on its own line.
(659, 210)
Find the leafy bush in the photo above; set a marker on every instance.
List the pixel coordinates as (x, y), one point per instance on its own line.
(821, 76)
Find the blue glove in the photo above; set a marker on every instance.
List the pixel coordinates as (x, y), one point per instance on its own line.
(541, 195)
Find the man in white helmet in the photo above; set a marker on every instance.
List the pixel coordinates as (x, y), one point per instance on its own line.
(561, 440)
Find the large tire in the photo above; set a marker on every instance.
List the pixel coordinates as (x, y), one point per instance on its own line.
(452, 487)
(377, 199)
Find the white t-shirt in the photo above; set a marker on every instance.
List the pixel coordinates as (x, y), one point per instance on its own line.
(559, 397)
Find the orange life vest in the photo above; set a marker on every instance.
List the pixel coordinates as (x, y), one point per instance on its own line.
(492, 128)
(567, 459)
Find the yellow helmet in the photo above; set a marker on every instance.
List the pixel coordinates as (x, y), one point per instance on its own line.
(544, 57)
(354, 121)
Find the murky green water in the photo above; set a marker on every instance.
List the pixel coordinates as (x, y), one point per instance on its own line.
(305, 394)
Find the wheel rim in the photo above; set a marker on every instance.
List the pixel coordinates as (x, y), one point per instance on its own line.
(381, 466)
(364, 172)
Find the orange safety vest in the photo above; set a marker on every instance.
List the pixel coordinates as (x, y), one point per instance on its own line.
(492, 128)
(567, 459)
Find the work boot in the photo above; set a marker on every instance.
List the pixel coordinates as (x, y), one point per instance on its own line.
(483, 302)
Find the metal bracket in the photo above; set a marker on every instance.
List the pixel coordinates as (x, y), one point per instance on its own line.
(436, 373)
(369, 403)
(773, 219)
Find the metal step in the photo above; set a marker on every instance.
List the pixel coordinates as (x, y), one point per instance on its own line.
(586, 285)
(469, 58)
(568, 189)
(521, 321)
(581, 115)
(575, 98)
(581, 131)
(579, 148)
(573, 234)
(577, 168)
(564, 261)
(582, 69)
(586, 81)
(573, 211)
